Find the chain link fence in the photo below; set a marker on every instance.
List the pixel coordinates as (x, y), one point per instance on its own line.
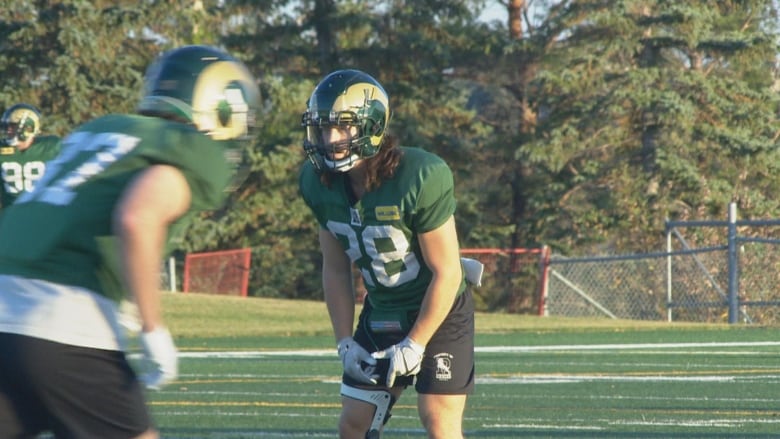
(637, 287)
(689, 282)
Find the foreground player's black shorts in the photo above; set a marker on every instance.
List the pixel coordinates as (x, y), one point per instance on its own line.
(448, 364)
(71, 391)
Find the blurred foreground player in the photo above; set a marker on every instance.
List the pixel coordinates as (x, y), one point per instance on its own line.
(96, 228)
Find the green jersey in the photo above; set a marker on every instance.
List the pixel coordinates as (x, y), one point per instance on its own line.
(21, 169)
(61, 232)
(379, 232)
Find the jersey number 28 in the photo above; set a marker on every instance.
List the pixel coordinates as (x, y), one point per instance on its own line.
(380, 260)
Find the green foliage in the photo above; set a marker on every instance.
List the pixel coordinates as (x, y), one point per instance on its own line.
(647, 109)
(73, 59)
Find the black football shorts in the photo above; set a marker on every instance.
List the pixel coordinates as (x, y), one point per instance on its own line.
(448, 364)
(72, 391)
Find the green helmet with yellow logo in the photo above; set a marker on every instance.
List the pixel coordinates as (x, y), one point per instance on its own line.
(19, 123)
(345, 98)
(204, 86)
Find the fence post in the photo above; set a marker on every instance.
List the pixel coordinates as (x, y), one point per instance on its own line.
(668, 271)
(733, 266)
(172, 273)
(544, 269)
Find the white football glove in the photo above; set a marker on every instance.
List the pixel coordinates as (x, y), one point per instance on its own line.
(405, 359)
(161, 356)
(352, 357)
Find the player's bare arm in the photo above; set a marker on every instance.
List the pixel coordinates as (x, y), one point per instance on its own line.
(156, 198)
(442, 255)
(337, 285)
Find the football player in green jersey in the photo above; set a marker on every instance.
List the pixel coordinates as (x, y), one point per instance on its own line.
(388, 211)
(24, 155)
(94, 229)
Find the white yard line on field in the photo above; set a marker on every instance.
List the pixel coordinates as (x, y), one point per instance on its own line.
(491, 349)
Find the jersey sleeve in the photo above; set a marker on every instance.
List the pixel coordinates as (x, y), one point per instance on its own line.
(436, 201)
(49, 146)
(304, 182)
(203, 163)
(308, 183)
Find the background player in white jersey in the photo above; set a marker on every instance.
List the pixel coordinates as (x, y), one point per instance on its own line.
(389, 211)
(94, 230)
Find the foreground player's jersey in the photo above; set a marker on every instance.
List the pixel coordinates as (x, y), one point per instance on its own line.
(379, 232)
(62, 231)
(21, 169)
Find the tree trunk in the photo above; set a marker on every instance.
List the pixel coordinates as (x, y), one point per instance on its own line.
(515, 9)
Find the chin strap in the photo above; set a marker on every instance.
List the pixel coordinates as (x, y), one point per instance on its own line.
(342, 165)
(382, 400)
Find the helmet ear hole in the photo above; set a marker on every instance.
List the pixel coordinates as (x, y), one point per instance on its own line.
(224, 113)
(376, 128)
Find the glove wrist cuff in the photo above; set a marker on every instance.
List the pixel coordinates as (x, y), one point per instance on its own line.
(414, 345)
(343, 343)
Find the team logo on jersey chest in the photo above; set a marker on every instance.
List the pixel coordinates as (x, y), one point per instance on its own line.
(387, 213)
(354, 217)
(7, 150)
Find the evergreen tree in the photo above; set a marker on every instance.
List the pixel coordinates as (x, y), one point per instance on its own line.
(648, 110)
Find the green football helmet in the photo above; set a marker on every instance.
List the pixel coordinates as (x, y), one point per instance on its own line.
(19, 123)
(204, 86)
(346, 99)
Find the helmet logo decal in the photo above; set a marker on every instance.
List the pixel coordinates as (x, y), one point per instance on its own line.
(218, 103)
